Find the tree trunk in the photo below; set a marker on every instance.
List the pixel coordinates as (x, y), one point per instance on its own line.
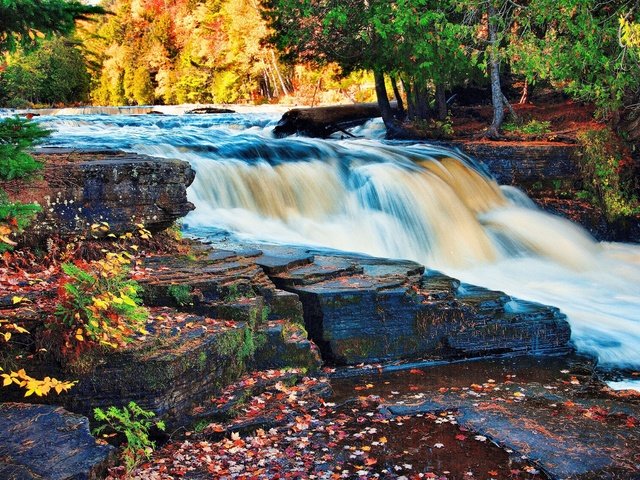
(422, 103)
(383, 98)
(394, 130)
(494, 66)
(398, 97)
(525, 93)
(411, 108)
(285, 90)
(441, 102)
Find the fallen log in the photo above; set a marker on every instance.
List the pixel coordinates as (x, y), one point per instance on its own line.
(322, 122)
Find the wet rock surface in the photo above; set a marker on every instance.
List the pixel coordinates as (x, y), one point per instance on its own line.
(515, 418)
(361, 309)
(552, 411)
(41, 441)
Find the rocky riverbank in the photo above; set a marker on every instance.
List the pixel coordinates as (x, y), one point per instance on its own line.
(226, 359)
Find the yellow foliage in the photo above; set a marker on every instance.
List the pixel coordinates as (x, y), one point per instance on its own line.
(33, 385)
(629, 33)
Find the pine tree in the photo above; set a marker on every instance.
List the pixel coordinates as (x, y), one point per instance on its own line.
(22, 22)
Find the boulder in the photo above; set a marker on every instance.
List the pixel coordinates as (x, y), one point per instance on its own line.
(360, 309)
(122, 189)
(48, 442)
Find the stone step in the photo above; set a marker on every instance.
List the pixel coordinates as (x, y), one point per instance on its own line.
(483, 302)
(322, 268)
(438, 285)
(285, 345)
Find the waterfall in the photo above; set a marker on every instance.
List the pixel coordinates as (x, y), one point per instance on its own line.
(397, 200)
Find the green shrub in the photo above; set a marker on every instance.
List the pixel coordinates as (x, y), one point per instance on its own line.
(16, 136)
(181, 294)
(532, 127)
(99, 305)
(603, 175)
(134, 423)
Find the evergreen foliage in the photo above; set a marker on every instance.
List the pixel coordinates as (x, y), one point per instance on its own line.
(134, 423)
(16, 137)
(22, 22)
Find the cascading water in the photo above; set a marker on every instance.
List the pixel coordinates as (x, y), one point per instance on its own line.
(393, 200)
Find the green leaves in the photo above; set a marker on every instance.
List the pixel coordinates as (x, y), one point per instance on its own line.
(134, 423)
(24, 21)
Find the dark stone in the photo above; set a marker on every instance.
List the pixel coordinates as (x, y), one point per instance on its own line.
(122, 189)
(48, 442)
(524, 165)
(285, 345)
(167, 372)
(208, 110)
(360, 309)
(275, 264)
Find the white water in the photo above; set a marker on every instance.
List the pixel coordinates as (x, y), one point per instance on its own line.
(392, 200)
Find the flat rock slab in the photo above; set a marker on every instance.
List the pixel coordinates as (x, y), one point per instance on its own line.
(48, 442)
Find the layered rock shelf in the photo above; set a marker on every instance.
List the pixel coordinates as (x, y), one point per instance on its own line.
(360, 309)
(81, 189)
(214, 316)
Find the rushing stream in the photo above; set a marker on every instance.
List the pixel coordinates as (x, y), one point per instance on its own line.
(397, 200)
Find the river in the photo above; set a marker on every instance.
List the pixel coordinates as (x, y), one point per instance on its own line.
(389, 199)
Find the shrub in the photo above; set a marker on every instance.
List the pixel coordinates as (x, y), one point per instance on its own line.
(99, 305)
(532, 127)
(134, 423)
(603, 172)
(16, 136)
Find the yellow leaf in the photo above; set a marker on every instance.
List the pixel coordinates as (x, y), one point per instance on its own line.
(7, 336)
(7, 240)
(16, 299)
(126, 299)
(7, 380)
(19, 329)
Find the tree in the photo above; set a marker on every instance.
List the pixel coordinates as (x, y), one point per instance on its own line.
(422, 42)
(22, 22)
(53, 73)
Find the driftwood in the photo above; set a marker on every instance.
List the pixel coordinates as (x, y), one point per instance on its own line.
(321, 122)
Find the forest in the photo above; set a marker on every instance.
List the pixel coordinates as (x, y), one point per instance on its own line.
(423, 53)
